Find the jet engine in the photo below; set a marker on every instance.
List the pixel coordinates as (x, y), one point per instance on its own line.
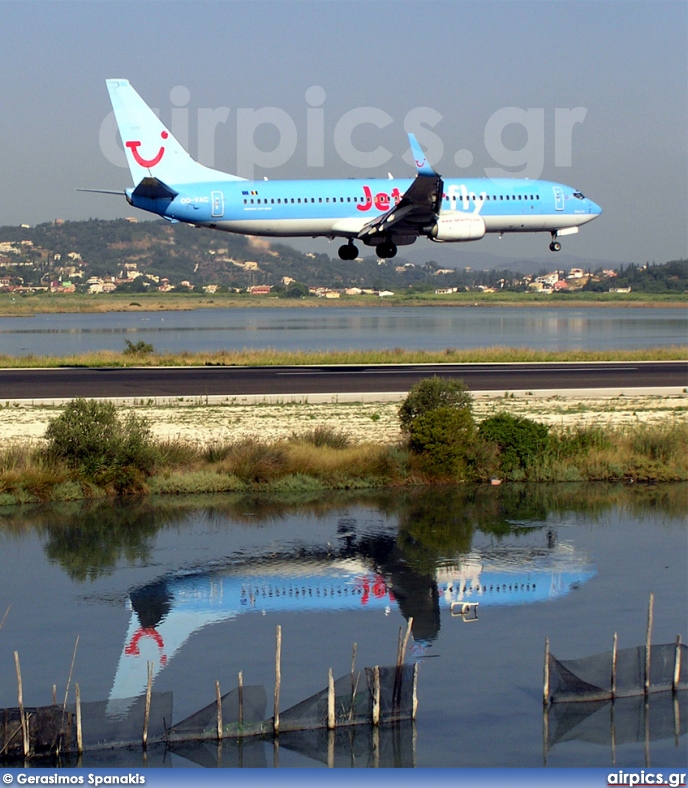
(458, 227)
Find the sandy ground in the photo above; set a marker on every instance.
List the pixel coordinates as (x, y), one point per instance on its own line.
(365, 421)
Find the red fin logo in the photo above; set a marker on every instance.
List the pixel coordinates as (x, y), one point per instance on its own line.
(133, 145)
(132, 648)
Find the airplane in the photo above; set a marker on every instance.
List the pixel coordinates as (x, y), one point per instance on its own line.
(384, 214)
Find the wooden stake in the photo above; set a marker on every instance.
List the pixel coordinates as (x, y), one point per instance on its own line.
(353, 669)
(614, 650)
(330, 700)
(218, 696)
(647, 733)
(613, 724)
(241, 698)
(404, 645)
(146, 713)
(79, 733)
(69, 678)
(376, 747)
(330, 749)
(677, 665)
(648, 642)
(5, 616)
(278, 678)
(54, 694)
(376, 695)
(414, 708)
(545, 688)
(20, 698)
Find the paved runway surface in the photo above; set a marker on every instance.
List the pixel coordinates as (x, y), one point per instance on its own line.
(33, 384)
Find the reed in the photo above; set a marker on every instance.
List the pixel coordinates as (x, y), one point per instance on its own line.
(271, 357)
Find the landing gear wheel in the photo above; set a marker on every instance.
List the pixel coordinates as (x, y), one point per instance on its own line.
(386, 250)
(555, 246)
(348, 252)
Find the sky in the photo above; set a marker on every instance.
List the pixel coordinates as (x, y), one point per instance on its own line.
(590, 93)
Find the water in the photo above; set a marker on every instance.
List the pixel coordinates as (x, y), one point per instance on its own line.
(198, 585)
(332, 328)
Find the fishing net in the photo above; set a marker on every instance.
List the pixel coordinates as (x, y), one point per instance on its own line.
(121, 722)
(590, 678)
(622, 721)
(353, 700)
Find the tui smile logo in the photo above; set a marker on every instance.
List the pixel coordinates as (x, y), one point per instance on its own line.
(133, 145)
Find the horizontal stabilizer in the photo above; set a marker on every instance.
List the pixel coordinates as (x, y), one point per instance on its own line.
(154, 189)
(118, 192)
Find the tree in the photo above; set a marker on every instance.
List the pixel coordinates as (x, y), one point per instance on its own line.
(432, 393)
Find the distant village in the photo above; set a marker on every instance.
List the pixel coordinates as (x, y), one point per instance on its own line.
(29, 267)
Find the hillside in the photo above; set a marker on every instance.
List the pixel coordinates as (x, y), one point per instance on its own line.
(139, 255)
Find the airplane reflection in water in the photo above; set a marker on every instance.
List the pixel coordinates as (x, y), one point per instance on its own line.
(373, 576)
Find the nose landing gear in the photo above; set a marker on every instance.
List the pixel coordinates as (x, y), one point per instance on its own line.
(555, 246)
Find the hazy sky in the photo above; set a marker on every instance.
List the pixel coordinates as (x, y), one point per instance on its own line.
(624, 63)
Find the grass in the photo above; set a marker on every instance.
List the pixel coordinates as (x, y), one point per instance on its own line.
(305, 462)
(51, 303)
(270, 357)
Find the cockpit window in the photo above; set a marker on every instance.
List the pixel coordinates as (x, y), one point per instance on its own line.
(579, 195)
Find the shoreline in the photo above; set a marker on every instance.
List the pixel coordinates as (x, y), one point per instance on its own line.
(265, 448)
(31, 306)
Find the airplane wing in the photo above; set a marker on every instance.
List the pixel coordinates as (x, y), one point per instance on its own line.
(418, 207)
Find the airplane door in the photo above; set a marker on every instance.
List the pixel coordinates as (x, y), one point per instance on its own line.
(558, 199)
(218, 201)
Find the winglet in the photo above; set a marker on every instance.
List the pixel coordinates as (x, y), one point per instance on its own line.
(419, 159)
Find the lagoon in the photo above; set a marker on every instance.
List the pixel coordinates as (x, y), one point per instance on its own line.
(351, 328)
(197, 586)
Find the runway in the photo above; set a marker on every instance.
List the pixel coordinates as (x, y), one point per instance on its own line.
(211, 381)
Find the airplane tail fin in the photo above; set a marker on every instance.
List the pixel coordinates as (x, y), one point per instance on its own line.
(150, 148)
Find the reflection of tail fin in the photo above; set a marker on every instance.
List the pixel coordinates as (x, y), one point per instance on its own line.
(150, 148)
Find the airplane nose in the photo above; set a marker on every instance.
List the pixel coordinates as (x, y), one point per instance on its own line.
(594, 208)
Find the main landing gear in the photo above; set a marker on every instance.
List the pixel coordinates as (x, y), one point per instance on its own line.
(386, 249)
(555, 246)
(348, 251)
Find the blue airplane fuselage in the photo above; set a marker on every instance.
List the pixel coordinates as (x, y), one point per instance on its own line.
(341, 207)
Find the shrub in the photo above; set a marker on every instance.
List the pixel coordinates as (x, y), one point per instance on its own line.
(254, 462)
(89, 437)
(139, 349)
(322, 435)
(520, 440)
(578, 442)
(443, 439)
(430, 394)
(660, 443)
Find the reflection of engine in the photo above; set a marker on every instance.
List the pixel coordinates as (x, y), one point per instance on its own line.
(151, 603)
